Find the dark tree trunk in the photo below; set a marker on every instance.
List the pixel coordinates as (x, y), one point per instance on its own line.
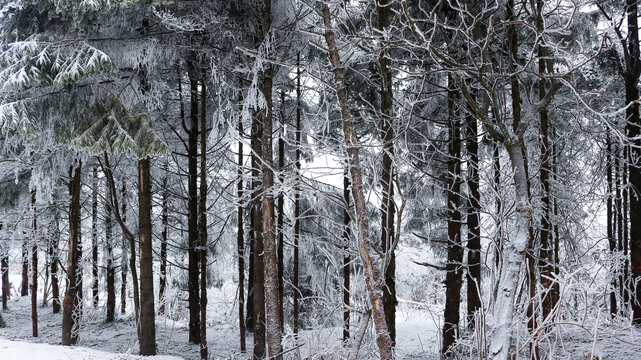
(633, 124)
(473, 222)
(627, 286)
(24, 286)
(454, 274)
(258, 274)
(249, 318)
(296, 269)
(34, 268)
(4, 270)
(192, 221)
(94, 238)
(611, 226)
(346, 257)
(241, 242)
(373, 277)
(123, 261)
(387, 184)
(147, 333)
(71, 311)
(163, 244)
(281, 210)
(53, 263)
(111, 271)
(203, 217)
(619, 221)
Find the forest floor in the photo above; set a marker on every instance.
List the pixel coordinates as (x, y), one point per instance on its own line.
(418, 338)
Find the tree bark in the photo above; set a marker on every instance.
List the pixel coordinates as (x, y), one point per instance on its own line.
(203, 217)
(53, 263)
(387, 184)
(346, 257)
(94, 238)
(24, 286)
(473, 222)
(192, 221)
(162, 281)
(123, 261)
(70, 314)
(241, 242)
(454, 271)
(281, 211)
(147, 333)
(34, 268)
(611, 226)
(4, 270)
(111, 271)
(295, 282)
(373, 276)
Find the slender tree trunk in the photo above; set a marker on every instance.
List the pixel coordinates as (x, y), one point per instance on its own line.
(373, 276)
(124, 259)
(295, 282)
(387, 184)
(241, 242)
(203, 217)
(71, 311)
(111, 271)
(249, 318)
(346, 257)
(4, 270)
(618, 182)
(611, 226)
(147, 333)
(624, 213)
(281, 210)
(454, 275)
(24, 286)
(556, 288)
(94, 238)
(498, 206)
(34, 268)
(53, 263)
(258, 277)
(473, 222)
(633, 124)
(162, 281)
(192, 223)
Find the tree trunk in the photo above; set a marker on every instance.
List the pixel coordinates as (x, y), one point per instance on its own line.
(372, 271)
(241, 242)
(633, 125)
(94, 238)
(611, 226)
(258, 274)
(34, 268)
(147, 333)
(387, 184)
(192, 223)
(473, 222)
(346, 257)
(162, 281)
(203, 217)
(53, 263)
(4, 270)
(454, 271)
(71, 311)
(124, 260)
(24, 286)
(295, 282)
(111, 271)
(281, 210)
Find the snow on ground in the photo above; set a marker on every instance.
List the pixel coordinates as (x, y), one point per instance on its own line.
(32, 351)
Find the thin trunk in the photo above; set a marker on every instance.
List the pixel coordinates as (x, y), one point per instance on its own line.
(162, 281)
(203, 217)
(346, 257)
(627, 288)
(633, 125)
(241, 242)
(387, 184)
(111, 271)
(24, 286)
(373, 276)
(281, 210)
(454, 275)
(618, 166)
(473, 222)
(147, 332)
(94, 237)
(34, 268)
(4, 270)
(124, 259)
(556, 288)
(610, 220)
(70, 314)
(54, 259)
(258, 273)
(192, 221)
(297, 196)
(498, 205)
